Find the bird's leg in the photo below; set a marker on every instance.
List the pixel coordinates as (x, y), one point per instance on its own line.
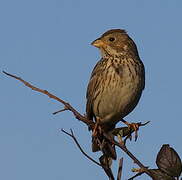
(132, 126)
(94, 133)
(97, 128)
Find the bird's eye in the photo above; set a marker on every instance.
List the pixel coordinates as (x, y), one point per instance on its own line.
(111, 39)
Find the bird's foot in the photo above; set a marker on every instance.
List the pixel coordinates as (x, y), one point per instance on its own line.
(133, 127)
(126, 131)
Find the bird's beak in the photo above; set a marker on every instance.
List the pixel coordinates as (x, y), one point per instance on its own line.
(98, 43)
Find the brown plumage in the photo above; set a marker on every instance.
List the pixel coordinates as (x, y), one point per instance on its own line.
(116, 82)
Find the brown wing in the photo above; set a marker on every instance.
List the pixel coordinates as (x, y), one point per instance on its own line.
(93, 88)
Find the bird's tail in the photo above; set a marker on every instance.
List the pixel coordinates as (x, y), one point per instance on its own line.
(101, 144)
(108, 150)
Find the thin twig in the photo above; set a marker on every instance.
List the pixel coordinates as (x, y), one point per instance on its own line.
(120, 169)
(109, 174)
(78, 145)
(65, 109)
(138, 174)
(143, 124)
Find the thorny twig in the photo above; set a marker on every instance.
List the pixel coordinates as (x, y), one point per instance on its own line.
(80, 117)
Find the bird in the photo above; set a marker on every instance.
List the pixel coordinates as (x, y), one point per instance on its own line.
(115, 85)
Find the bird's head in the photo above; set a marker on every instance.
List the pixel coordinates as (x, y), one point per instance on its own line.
(115, 42)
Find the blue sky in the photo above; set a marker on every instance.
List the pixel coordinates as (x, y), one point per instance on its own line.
(48, 44)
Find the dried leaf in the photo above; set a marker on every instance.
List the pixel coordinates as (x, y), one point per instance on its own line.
(157, 174)
(169, 161)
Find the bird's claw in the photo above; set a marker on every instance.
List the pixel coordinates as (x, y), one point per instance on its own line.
(133, 127)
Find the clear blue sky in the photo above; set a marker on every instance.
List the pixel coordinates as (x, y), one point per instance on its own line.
(47, 42)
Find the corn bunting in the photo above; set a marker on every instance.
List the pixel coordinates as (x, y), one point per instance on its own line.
(116, 83)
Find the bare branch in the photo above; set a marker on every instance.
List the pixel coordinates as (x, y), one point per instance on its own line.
(78, 116)
(124, 148)
(78, 145)
(120, 169)
(82, 118)
(108, 171)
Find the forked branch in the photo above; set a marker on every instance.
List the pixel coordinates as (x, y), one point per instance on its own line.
(88, 122)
